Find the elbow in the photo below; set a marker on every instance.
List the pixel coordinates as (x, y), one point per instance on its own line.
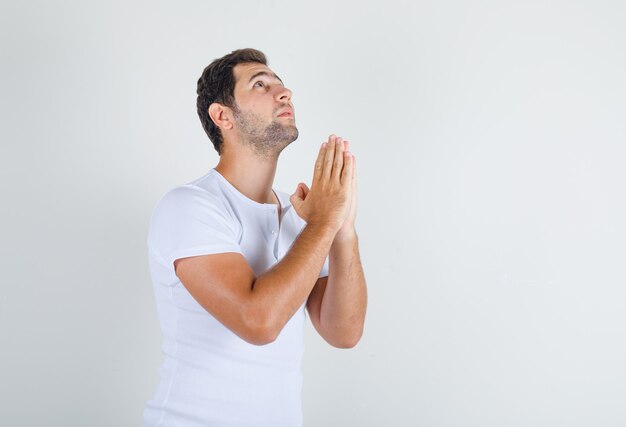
(260, 336)
(346, 341)
(345, 346)
(259, 327)
(348, 344)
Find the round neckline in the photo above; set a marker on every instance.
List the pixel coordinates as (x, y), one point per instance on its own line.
(245, 198)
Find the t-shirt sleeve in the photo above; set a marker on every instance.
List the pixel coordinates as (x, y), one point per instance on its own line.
(188, 221)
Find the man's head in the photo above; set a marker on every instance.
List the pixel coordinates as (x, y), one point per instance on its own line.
(239, 94)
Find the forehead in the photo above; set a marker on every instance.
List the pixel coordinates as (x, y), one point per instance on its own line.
(243, 72)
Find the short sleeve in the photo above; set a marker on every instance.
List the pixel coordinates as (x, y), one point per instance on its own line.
(189, 221)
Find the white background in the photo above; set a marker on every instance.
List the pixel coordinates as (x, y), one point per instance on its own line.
(490, 144)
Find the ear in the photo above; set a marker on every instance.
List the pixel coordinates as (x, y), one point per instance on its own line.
(221, 116)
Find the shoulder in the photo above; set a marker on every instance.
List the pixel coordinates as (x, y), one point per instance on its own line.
(191, 216)
(191, 220)
(186, 197)
(202, 197)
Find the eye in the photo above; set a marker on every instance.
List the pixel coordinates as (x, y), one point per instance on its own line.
(259, 84)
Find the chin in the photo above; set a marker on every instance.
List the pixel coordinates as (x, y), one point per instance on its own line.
(295, 133)
(282, 132)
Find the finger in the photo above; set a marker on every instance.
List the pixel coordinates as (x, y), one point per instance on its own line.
(354, 175)
(353, 182)
(347, 150)
(305, 189)
(327, 167)
(319, 163)
(347, 172)
(354, 187)
(338, 163)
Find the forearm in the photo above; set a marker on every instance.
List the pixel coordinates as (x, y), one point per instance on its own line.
(342, 312)
(278, 293)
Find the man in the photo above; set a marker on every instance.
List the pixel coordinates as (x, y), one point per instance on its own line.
(235, 262)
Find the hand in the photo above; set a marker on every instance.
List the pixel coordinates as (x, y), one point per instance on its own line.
(347, 230)
(329, 200)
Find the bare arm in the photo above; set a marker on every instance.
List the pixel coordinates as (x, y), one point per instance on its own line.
(257, 308)
(338, 302)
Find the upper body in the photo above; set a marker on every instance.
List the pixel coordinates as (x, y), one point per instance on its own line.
(210, 216)
(232, 289)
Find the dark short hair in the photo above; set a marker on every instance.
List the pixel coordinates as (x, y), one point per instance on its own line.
(217, 84)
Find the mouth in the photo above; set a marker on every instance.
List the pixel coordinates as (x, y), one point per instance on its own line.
(286, 113)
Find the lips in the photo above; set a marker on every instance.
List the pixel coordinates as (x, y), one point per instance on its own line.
(287, 112)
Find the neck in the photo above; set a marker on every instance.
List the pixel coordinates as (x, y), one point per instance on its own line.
(249, 173)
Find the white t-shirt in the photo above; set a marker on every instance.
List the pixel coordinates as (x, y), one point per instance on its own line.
(210, 376)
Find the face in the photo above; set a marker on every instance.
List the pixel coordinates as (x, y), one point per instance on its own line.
(264, 115)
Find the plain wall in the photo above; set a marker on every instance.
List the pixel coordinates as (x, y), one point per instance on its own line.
(490, 141)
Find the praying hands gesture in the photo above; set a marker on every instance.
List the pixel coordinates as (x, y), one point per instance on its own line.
(332, 197)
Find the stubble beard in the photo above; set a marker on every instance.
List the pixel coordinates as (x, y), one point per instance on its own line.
(267, 141)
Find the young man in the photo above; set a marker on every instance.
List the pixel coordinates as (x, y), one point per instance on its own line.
(234, 262)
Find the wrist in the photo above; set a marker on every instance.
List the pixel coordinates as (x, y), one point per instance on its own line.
(346, 236)
(322, 229)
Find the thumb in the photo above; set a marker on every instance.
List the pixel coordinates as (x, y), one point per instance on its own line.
(300, 194)
(304, 188)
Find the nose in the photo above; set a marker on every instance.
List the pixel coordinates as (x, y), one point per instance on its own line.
(283, 94)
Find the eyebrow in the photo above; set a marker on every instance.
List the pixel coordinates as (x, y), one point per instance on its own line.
(265, 73)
